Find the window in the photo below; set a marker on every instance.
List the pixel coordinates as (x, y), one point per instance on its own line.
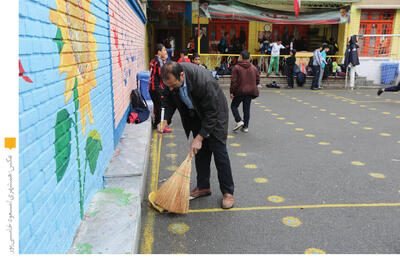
(375, 22)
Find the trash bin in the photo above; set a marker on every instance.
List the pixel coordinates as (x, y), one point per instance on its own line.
(143, 83)
(389, 71)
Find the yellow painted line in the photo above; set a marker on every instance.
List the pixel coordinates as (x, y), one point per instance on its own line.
(293, 207)
(386, 113)
(314, 251)
(148, 234)
(337, 152)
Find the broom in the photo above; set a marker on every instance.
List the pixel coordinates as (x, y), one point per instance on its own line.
(174, 194)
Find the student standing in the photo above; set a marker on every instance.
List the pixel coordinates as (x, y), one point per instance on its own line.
(244, 80)
(156, 87)
(317, 62)
(275, 53)
(290, 62)
(325, 50)
(184, 56)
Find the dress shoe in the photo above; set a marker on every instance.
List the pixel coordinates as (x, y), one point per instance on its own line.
(380, 91)
(227, 201)
(196, 193)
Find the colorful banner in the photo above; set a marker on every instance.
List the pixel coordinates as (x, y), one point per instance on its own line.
(239, 11)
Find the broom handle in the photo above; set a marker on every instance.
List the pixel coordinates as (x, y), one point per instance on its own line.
(159, 149)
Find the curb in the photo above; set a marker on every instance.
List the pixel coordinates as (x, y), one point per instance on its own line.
(112, 221)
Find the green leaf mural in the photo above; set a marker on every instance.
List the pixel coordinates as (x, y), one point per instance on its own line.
(62, 144)
(93, 148)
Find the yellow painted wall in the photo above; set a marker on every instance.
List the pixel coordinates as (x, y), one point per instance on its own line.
(254, 28)
(347, 30)
(395, 48)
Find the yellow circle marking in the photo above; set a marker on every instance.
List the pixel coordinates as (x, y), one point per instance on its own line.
(355, 122)
(314, 106)
(372, 108)
(171, 145)
(322, 109)
(367, 95)
(267, 110)
(299, 129)
(344, 100)
(363, 106)
(333, 114)
(235, 144)
(172, 168)
(384, 134)
(398, 117)
(169, 136)
(280, 118)
(289, 123)
(291, 221)
(263, 106)
(377, 175)
(178, 228)
(276, 199)
(324, 143)
(341, 117)
(171, 155)
(299, 100)
(337, 152)
(241, 154)
(398, 142)
(251, 166)
(310, 135)
(260, 180)
(353, 103)
(314, 251)
(306, 103)
(386, 113)
(357, 163)
(294, 98)
(231, 136)
(274, 114)
(257, 103)
(367, 128)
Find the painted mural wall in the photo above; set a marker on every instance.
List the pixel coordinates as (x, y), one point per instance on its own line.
(67, 112)
(127, 53)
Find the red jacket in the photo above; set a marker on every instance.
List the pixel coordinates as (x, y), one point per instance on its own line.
(244, 79)
(186, 60)
(155, 82)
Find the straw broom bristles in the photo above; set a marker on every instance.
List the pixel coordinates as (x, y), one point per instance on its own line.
(174, 194)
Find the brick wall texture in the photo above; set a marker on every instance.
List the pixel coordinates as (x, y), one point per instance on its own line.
(72, 90)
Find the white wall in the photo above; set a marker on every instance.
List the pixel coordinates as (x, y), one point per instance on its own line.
(370, 67)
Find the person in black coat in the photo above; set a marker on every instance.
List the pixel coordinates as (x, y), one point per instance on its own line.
(351, 54)
(204, 112)
(290, 62)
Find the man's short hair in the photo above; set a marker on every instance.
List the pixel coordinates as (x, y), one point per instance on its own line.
(159, 47)
(173, 68)
(324, 45)
(185, 52)
(245, 54)
(293, 51)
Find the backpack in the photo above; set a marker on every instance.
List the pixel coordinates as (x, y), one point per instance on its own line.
(139, 111)
(301, 78)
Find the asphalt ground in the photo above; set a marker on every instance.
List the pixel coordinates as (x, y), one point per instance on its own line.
(318, 172)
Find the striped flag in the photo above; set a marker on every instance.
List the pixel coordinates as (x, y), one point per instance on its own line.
(296, 4)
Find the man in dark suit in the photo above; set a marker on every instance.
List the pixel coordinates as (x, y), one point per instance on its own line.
(204, 112)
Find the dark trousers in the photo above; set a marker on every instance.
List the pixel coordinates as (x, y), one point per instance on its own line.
(213, 146)
(156, 98)
(393, 88)
(289, 77)
(315, 80)
(246, 109)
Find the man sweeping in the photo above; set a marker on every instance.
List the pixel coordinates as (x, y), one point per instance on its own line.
(204, 112)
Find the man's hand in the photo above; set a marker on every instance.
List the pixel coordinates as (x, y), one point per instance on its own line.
(161, 126)
(196, 145)
(232, 96)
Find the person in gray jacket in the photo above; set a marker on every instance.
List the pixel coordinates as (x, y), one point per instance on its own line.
(204, 112)
(317, 63)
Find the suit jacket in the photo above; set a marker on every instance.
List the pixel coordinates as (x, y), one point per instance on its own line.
(211, 113)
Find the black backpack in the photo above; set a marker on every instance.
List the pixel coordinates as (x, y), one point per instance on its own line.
(139, 111)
